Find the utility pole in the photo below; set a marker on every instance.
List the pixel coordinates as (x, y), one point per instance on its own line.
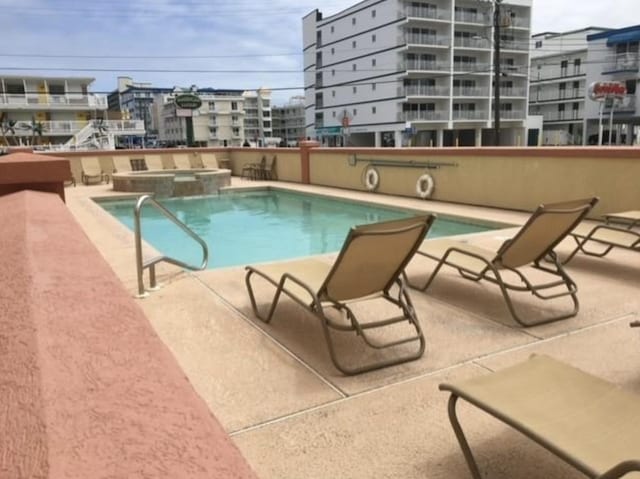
(496, 70)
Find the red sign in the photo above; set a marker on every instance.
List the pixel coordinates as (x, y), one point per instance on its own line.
(606, 89)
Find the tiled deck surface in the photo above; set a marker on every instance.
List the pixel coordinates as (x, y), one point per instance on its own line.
(294, 416)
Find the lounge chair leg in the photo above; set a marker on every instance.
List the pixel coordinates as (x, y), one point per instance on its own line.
(462, 440)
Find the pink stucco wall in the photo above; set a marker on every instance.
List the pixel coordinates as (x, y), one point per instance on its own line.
(87, 389)
(24, 170)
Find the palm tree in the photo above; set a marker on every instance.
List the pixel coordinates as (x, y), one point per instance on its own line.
(37, 129)
(7, 126)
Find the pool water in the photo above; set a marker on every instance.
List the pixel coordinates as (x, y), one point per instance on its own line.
(243, 228)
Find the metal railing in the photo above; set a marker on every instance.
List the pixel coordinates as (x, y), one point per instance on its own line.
(471, 91)
(151, 263)
(470, 42)
(470, 115)
(70, 100)
(469, 17)
(437, 115)
(424, 11)
(423, 90)
(418, 64)
(425, 39)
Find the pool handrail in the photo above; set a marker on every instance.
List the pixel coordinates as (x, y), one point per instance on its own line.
(151, 263)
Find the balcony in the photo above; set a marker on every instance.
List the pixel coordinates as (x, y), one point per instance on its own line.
(423, 90)
(475, 18)
(426, 65)
(425, 40)
(475, 115)
(518, 45)
(513, 115)
(426, 12)
(471, 91)
(437, 115)
(69, 128)
(59, 102)
(514, 92)
(468, 42)
(622, 62)
(558, 95)
(475, 68)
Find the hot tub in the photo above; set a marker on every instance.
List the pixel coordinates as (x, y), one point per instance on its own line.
(168, 183)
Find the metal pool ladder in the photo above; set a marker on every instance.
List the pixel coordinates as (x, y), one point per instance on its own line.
(151, 263)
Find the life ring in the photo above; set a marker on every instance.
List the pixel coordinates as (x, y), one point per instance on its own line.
(424, 186)
(371, 179)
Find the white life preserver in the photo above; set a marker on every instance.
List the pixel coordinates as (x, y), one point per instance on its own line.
(371, 179)
(424, 186)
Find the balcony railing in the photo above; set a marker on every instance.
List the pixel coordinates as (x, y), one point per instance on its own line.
(512, 114)
(70, 101)
(468, 17)
(425, 39)
(426, 12)
(469, 42)
(437, 115)
(522, 45)
(433, 65)
(558, 95)
(623, 62)
(424, 90)
(572, 115)
(513, 92)
(470, 114)
(471, 67)
(68, 128)
(471, 91)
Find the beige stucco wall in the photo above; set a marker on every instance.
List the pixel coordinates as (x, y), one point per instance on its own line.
(506, 178)
(512, 178)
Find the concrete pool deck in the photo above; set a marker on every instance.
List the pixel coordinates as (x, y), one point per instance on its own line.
(292, 415)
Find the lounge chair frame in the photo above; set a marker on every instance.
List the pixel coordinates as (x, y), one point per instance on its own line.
(87, 177)
(321, 300)
(458, 391)
(546, 261)
(584, 243)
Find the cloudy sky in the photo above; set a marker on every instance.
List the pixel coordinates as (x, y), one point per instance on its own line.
(241, 44)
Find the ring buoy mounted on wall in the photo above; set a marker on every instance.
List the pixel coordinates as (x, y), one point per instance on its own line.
(371, 178)
(424, 186)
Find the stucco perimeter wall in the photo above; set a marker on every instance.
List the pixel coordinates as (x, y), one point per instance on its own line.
(87, 389)
(511, 178)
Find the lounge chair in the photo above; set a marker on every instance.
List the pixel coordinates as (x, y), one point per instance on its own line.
(252, 170)
(92, 171)
(587, 422)
(617, 232)
(267, 171)
(181, 161)
(209, 160)
(121, 164)
(531, 247)
(368, 266)
(153, 162)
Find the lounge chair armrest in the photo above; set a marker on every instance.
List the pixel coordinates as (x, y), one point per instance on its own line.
(622, 469)
(635, 324)
(302, 284)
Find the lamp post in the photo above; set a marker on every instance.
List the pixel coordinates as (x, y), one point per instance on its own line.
(496, 70)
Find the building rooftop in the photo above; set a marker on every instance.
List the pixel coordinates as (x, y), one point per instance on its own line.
(274, 388)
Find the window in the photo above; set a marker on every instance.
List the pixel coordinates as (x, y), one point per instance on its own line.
(373, 110)
(576, 66)
(236, 131)
(539, 44)
(563, 67)
(353, 21)
(355, 89)
(373, 87)
(332, 29)
(333, 93)
(234, 105)
(373, 14)
(373, 38)
(354, 67)
(355, 111)
(333, 73)
(334, 114)
(373, 62)
(353, 44)
(333, 51)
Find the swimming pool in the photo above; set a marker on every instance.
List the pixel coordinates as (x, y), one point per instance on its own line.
(263, 225)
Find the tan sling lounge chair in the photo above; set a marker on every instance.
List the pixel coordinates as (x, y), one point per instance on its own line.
(154, 162)
(208, 160)
(92, 171)
(368, 266)
(121, 164)
(587, 422)
(531, 247)
(181, 161)
(619, 231)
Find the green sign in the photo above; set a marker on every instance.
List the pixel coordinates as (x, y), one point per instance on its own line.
(188, 101)
(329, 130)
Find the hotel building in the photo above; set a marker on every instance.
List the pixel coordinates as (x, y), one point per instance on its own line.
(415, 72)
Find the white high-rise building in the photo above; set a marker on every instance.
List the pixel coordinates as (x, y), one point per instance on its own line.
(558, 84)
(419, 72)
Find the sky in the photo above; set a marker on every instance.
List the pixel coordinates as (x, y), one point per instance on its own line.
(235, 44)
